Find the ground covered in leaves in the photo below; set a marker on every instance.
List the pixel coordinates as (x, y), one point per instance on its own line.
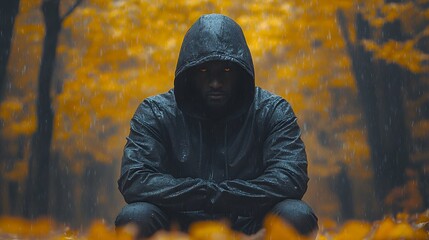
(402, 226)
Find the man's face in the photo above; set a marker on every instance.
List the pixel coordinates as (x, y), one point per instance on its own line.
(216, 82)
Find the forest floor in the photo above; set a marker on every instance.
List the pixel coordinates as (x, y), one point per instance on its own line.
(401, 226)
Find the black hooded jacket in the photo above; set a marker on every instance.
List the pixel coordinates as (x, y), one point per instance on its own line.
(180, 160)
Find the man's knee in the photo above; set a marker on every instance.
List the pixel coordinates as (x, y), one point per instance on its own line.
(147, 217)
(298, 214)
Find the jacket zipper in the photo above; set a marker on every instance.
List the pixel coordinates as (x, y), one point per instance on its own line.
(225, 142)
(212, 150)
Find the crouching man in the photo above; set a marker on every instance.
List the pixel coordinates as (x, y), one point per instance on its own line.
(216, 146)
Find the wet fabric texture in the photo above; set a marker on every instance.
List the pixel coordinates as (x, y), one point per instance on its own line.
(182, 161)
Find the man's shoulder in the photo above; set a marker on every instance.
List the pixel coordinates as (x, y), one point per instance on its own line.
(264, 98)
(268, 105)
(162, 101)
(159, 105)
(271, 106)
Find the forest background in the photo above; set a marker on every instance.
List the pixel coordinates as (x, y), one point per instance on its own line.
(72, 73)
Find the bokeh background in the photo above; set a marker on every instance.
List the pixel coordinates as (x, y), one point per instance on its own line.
(74, 71)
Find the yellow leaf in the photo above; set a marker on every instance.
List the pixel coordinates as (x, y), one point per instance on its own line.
(385, 227)
(277, 229)
(353, 230)
(211, 230)
(402, 231)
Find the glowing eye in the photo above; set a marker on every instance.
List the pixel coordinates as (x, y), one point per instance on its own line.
(227, 69)
(203, 69)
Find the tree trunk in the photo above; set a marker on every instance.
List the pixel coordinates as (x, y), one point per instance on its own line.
(342, 186)
(380, 87)
(8, 11)
(39, 168)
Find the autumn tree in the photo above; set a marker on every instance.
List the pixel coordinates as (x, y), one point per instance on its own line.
(385, 61)
(17, 107)
(38, 179)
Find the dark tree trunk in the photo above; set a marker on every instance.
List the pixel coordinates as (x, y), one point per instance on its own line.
(8, 11)
(380, 87)
(38, 183)
(94, 178)
(39, 167)
(393, 135)
(64, 210)
(342, 186)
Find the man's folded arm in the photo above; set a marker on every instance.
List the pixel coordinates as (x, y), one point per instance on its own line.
(285, 175)
(143, 177)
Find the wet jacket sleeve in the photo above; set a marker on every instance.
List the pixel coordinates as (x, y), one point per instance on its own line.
(143, 176)
(285, 175)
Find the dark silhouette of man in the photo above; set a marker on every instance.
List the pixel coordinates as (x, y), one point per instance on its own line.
(215, 146)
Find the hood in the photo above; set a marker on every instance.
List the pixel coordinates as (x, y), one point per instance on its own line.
(213, 37)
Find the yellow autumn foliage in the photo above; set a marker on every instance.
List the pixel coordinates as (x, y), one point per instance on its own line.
(394, 11)
(353, 230)
(113, 54)
(404, 226)
(388, 229)
(211, 230)
(118, 52)
(100, 230)
(277, 229)
(22, 228)
(9, 106)
(402, 53)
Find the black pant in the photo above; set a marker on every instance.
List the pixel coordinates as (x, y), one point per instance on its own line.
(150, 218)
